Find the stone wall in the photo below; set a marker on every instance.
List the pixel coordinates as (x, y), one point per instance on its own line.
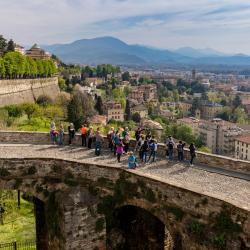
(212, 160)
(194, 220)
(16, 91)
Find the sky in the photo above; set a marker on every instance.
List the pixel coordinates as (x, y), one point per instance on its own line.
(223, 25)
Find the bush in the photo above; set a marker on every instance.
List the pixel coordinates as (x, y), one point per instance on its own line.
(44, 100)
(30, 109)
(136, 117)
(62, 84)
(14, 110)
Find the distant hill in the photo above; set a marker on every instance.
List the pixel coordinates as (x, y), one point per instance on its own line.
(114, 51)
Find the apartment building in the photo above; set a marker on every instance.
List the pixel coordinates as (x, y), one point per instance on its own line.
(114, 111)
(242, 147)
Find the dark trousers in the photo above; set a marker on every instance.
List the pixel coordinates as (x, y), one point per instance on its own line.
(180, 156)
(90, 140)
(192, 158)
(111, 146)
(71, 137)
(152, 154)
(84, 140)
(114, 149)
(119, 157)
(126, 145)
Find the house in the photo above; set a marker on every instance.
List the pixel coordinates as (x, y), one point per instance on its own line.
(19, 48)
(99, 120)
(167, 114)
(242, 147)
(210, 110)
(140, 109)
(114, 111)
(154, 126)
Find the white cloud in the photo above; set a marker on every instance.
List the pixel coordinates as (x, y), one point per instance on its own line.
(222, 24)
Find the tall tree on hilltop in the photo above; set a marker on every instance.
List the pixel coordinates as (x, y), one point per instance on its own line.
(127, 110)
(10, 46)
(99, 105)
(3, 44)
(80, 108)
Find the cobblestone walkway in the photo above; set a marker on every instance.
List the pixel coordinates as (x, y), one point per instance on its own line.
(201, 179)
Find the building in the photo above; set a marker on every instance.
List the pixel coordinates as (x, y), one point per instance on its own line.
(191, 122)
(149, 91)
(186, 107)
(140, 109)
(242, 147)
(19, 48)
(36, 52)
(99, 120)
(136, 94)
(154, 126)
(219, 135)
(167, 114)
(210, 111)
(114, 111)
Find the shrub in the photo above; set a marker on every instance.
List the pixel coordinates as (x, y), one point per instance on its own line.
(44, 100)
(14, 110)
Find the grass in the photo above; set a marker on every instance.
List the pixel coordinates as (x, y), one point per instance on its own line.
(19, 224)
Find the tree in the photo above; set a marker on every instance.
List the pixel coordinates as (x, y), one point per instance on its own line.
(14, 110)
(99, 105)
(195, 105)
(80, 108)
(126, 76)
(10, 46)
(44, 100)
(127, 110)
(3, 44)
(237, 102)
(30, 109)
(136, 117)
(2, 68)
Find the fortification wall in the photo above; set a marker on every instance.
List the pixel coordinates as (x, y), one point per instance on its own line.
(16, 91)
(212, 160)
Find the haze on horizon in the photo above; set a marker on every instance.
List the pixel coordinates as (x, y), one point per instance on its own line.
(219, 24)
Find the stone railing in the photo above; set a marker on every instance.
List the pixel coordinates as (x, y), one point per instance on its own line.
(212, 160)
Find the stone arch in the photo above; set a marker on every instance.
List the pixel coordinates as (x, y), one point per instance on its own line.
(132, 227)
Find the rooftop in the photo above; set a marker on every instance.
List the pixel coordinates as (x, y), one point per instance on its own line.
(244, 139)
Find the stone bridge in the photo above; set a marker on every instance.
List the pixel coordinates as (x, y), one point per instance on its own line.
(88, 202)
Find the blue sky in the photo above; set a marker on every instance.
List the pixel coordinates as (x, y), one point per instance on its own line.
(220, 24)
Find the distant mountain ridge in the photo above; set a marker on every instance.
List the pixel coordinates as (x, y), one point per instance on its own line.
(114, 51)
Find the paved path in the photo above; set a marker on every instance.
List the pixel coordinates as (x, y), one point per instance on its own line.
(226, 185)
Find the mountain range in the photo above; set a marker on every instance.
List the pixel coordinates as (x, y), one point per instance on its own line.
(114, 51)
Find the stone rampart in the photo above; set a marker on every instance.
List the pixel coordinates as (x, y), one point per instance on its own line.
(16, 91)
(212, 160)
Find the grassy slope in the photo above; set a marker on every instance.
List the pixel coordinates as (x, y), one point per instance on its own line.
(19, 225)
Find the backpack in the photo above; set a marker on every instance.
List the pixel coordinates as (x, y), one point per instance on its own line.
(126, 139)
(170, 145)
(152, 147)
(180, 148)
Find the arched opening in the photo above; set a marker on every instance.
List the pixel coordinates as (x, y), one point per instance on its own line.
(134, 228)
(22, 221)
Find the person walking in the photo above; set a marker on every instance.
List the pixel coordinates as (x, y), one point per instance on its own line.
(192, 153)
(153, 149)
(71, 131)
(119, 151)
(90, 136)
(61, 134)
(180, 150)
(84, 135)
(140, 143)
(52, 129)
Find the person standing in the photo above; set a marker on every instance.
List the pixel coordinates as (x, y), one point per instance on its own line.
(52, 129)
(90, 136)
(126, 142)
(170, 148)
(119, 151)
(84, 135)
(61, 134)
(71, 131)
(192, 153)
(153, 150)
(110, 137)
(180, 150)
(117, 140)
(98, 142)
(144, 151)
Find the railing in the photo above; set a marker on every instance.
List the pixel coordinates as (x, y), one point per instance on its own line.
(28, 245)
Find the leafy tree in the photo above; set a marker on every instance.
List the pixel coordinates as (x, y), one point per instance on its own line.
(99, 105)
(80, 108)
(195, 105)
(3, 44)
(2, 68)
(136, 117)
(237, 102)
(62, 84)
(14, 110)
(10, 46)
(44, 100)
(30, 109)
(126, 76)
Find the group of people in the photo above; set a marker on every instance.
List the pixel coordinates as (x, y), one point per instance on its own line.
(119, 143)
(170, 144)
